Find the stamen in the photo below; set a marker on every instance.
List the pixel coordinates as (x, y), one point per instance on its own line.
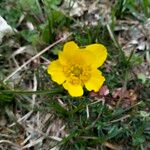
(77, 74)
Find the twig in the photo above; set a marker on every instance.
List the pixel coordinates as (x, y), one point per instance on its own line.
(112, 146)
(17, 147)
(35, 84)
(87, 111)
(23, 118)
(116, 42)
(120, 119)
(34, 57)
(33, 143)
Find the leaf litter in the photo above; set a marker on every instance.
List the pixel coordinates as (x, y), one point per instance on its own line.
(42, 130)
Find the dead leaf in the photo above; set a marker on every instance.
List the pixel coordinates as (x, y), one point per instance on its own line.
(5, 29)
(128, 97)
(104, 91)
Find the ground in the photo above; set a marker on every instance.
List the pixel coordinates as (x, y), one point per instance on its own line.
(36, 113)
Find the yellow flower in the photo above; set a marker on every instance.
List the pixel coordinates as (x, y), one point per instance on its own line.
(78, 67)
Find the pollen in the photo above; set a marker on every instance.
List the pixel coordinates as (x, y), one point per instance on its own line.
(76, 70)
(77, 74)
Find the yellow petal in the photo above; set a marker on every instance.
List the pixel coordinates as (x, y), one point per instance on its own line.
(70, 46)
(74, 90)
(55, 69)
(88, 58)
(95, 82)
(69, 51)
(100, 53)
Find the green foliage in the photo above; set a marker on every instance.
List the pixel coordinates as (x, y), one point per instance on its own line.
(120, 8)
(52, 3)
(134, 8)
(92, 35)
(126, 127)
(5, 98)
(146, 7)
(9, 12)
(102, 126)
(47, 19)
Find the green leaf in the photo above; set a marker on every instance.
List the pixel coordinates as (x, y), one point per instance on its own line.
(113, 132)
(59, 109)
(5, 98)
(46, 35)
(142, 77)
(29, 5)
(138, 139)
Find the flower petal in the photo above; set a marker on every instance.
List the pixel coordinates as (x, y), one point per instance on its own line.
(69, 51)
(100, 53)
(95, 82)
(55, 69)
(88, 58)
(70, 46)
(74, 90)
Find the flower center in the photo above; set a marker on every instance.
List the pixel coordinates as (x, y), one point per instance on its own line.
(76, 71)
(77, 74)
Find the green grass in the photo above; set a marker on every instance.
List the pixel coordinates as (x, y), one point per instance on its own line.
(86, 122)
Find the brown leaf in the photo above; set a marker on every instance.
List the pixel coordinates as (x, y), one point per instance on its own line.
(104, 91)
(93, 94)
(119, 92)
(128, 97)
